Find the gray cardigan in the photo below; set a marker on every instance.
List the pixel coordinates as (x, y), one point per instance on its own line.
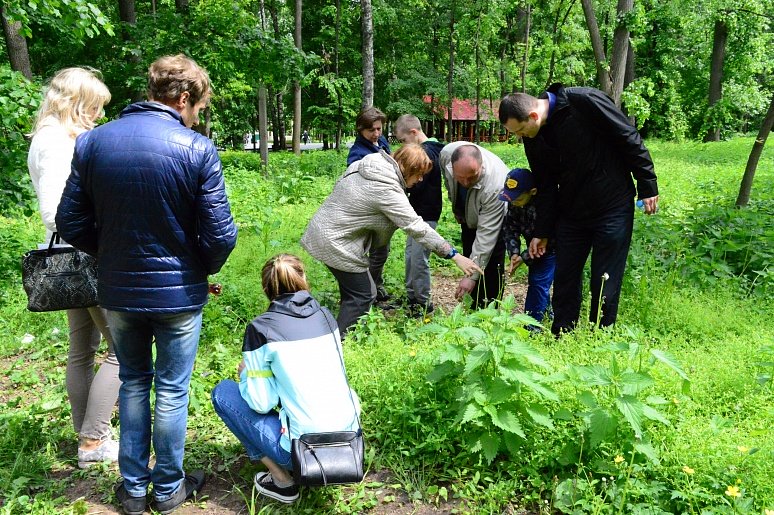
(367, 205)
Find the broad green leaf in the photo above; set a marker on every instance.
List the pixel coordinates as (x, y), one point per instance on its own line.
(540, 415)
(648, 450)
(441, 371)
(634, 382)
(512, 442)
(453, 353)
(477, 357)
(530, 380)
(471, 333)
(587, 399)
(653, 414)
(505, 419)
(594, 375)
(602, 425)
(632, 410)
(468, 413)
(522, 349)
(496, 390)
(670, 361)
(490, 444)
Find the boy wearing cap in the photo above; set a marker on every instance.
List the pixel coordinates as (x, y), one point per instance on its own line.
(518, 191)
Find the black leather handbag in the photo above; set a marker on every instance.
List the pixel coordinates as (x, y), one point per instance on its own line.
(59, 278)
(322, 459)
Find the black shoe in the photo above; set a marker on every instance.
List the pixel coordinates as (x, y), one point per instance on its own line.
(191, 485)
(417, 310)
(130, 504)
(382, 295)
(265, 485)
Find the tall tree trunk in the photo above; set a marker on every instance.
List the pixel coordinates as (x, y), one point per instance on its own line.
(630, 75)
(262, 129)
(716, 73)
(525, 38)
(620, 50)
(127, 13)
(367, 28)
(297, 88)
(339, 102)
(16, 45)
(478, 77)
(752, 162)
(278, 108)
(450, 81)
(181, 6)
(597, 46)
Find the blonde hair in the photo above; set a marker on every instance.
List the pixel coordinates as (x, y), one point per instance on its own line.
(73, 99)
(284, 273)
(172, 75)
(412, 160)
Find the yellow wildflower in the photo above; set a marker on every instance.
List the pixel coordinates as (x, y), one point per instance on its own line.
(675, 401)
(412, 353)
(733, 491)
(742, 449)
(688, 470)
(618, 459)
(427, 320)
(768, 512)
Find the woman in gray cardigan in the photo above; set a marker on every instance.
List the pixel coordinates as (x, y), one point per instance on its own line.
(366, 206)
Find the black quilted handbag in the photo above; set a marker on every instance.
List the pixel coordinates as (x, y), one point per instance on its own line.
(322, 459)
(59, 278)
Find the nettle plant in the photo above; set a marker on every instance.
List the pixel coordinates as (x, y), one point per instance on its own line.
(493, 375)
(616, 403)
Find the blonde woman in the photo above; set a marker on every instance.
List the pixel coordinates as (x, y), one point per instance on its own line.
(366, 206)
(72, 104)
(291, 358)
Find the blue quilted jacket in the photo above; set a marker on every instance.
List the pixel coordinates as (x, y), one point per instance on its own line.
(146, 196)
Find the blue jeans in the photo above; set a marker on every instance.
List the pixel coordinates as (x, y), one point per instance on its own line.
(541, 275)
(259, 433)
(177, 339)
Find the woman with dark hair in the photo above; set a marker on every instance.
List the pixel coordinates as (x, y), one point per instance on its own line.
(370, 138)
(291, 360)
(366, 206)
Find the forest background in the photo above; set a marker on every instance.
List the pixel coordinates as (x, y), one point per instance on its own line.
(669, 413)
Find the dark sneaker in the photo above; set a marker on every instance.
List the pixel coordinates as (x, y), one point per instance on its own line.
(382, 295)
(129, 504)
(191, 486)
(264, 484)
(417, 310)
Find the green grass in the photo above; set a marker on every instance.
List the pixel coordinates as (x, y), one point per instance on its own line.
(698, 286)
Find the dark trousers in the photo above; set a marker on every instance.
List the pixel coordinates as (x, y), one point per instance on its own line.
(491, 287)
(607, 238)
(357, 292)
(377, 258)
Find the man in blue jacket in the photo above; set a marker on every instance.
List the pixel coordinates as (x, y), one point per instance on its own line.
(584, 153)
(146, 196)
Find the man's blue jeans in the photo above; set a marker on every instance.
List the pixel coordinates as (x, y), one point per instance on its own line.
(541, 275)
(177, 339)
(260, 433)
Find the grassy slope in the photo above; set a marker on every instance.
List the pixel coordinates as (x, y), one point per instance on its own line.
(715, 333)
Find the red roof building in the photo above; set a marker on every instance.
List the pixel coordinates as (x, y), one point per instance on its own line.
(464, 120)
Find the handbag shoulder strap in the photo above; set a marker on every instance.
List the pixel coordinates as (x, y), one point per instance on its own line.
(326, 314)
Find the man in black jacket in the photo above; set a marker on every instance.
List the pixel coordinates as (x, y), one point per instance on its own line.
(584, 152)
(426, 199)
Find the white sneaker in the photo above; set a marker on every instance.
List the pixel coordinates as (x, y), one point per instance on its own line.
(107, 451)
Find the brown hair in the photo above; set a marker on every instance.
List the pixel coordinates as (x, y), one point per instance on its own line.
(172, 75)
(412, 160)
(368, 117)
(284, 273)
(406, 122)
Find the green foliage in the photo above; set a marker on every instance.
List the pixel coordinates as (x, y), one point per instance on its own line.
(491, 369)
(19, 100)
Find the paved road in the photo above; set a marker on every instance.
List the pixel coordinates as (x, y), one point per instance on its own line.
(307, 146)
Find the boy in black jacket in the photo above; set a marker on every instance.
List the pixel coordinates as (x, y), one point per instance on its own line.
(425, 197)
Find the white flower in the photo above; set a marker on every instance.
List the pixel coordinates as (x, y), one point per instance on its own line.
(55, 331)
(605, 277)
(27, 338)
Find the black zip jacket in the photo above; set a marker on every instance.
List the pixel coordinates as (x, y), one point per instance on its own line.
(584, 158)
(426, 197)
